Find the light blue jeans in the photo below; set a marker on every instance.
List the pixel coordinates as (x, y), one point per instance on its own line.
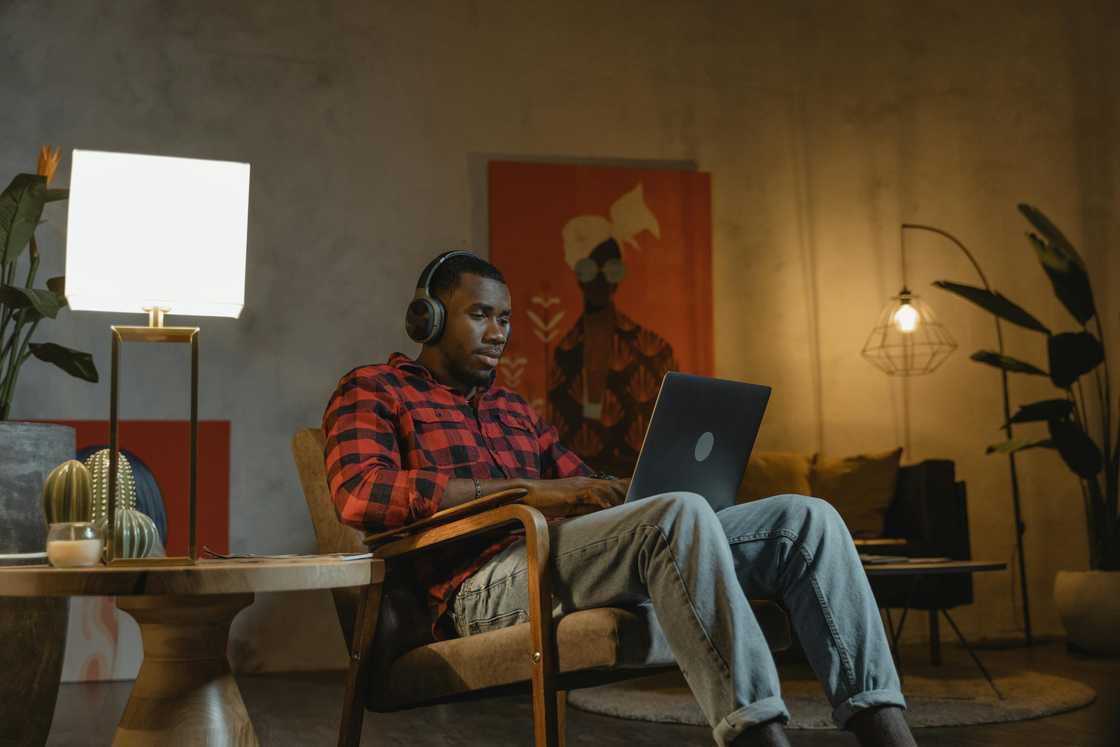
(696, 568)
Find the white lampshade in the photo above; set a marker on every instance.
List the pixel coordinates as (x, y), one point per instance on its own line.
(148, 231)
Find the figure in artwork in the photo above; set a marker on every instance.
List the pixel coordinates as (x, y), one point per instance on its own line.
(607, 368)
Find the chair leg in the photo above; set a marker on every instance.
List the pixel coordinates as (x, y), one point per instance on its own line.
(934, 638)
(357, 677)
(546, 731)
(561, 713)
(545, 727)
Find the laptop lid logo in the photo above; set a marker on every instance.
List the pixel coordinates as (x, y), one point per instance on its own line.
(704, 446)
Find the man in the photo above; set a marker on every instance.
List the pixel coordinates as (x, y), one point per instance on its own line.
(411, 437)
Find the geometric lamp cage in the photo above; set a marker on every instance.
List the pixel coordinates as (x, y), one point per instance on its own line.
(907, 339)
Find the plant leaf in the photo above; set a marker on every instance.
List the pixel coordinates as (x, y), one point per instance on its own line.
(74, 362)
(44, 302)
(1071, 355)
(995, 303)
(21, 204)
(1052, 233)
(1078, 451)
(1020, 444)
(1006, 362)
(1047, 409)
(1069, 279)
(57, 285)
(54, 195)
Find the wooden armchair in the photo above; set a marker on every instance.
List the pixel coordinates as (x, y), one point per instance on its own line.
(583, 649)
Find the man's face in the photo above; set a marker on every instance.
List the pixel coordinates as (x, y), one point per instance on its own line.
(477, 329)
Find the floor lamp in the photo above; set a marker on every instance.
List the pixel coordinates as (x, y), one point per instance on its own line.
(908, 341)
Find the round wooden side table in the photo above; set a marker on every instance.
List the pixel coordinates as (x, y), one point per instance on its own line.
(185, 693)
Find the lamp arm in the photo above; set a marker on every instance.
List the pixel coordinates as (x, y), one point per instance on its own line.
(951, 237)
(987, 286)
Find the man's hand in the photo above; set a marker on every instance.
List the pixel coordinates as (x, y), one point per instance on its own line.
(574, 496)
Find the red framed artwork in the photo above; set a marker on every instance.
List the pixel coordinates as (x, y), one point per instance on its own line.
(609, 270)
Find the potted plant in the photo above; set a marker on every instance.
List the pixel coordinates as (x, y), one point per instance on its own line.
(1081, 425)
(32, 631)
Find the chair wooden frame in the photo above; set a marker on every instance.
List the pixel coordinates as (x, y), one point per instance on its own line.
(456, 523)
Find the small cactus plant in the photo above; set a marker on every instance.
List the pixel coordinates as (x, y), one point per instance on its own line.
(135, 532)
(68, 493)
(98, 465)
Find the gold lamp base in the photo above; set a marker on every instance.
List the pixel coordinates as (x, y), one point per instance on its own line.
(155, 332)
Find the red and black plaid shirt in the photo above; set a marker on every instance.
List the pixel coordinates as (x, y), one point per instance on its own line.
(396, 436)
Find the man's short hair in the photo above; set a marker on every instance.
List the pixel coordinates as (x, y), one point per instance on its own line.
(446, 278)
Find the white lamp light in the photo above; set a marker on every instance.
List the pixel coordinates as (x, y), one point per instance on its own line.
(156, 234)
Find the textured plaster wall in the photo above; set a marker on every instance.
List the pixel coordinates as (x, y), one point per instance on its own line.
(824, 126)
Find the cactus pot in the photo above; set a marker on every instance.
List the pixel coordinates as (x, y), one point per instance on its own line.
(32, 629)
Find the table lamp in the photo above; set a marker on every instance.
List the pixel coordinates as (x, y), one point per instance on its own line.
(156, 235)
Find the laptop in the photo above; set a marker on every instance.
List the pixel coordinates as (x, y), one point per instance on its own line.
(699, 438)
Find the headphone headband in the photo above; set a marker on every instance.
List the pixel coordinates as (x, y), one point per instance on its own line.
(429, 272)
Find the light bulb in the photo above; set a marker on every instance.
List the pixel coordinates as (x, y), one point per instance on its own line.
(906, 318)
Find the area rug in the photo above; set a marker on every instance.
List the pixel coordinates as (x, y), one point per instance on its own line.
(950, 700)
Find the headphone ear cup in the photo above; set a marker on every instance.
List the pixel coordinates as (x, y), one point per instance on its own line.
(419, 320)
(438, 316)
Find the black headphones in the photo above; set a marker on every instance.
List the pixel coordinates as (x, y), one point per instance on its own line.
(425, 317)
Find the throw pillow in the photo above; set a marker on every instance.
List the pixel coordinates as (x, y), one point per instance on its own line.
(774, 473)
(860, 487)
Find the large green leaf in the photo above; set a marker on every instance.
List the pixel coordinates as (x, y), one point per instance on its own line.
(45, 302)
(1069, 279)
(1006, 362)
(1071, 355)
(74, 362)
(21, 205)
(54, 195)
(995, 303)
(57, 285)
(1052, 233)
(1078, 451)
(1047, 409)
(1020, 444)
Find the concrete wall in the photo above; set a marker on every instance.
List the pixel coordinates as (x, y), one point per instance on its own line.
(824, 126)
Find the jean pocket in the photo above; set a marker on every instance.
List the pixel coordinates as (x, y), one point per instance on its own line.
(497, 622)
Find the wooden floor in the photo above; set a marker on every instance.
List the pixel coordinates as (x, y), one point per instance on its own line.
(303, 709)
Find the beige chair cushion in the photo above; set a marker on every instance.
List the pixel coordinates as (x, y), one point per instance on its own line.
(606, 638)
(860, 487)
(774, 473)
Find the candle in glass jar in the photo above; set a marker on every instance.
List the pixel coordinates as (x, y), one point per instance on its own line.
(74, 553)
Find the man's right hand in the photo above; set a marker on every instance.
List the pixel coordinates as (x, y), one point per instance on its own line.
(574, 496)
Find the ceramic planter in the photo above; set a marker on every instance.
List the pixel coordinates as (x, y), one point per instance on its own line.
(1089, 603)
(33, 629)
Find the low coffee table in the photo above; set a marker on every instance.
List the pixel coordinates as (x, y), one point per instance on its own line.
(930, 572)
(185, 693)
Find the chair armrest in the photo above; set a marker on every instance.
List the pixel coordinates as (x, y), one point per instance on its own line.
(485, 503)
(532, 520)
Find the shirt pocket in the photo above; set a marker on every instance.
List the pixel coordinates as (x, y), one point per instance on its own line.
(522, 442)
(445, 437)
